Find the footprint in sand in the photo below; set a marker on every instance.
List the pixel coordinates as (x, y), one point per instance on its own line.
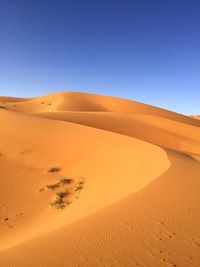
(25, 151)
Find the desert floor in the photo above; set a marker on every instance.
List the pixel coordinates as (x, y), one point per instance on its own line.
(90, 180)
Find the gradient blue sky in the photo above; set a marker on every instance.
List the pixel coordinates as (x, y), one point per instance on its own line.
(148, 51)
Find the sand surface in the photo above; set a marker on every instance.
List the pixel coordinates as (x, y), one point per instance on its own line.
(139, 201)
(196, 117)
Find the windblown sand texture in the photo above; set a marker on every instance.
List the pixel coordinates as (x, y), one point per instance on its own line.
(140, 200)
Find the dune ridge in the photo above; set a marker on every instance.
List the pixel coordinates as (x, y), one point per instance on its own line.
(140, 202)
(77, 101)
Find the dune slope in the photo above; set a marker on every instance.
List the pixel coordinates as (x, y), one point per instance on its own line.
(139, 205)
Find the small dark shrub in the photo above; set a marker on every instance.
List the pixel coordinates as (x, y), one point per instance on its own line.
(61, 194)
(65, 180)
(79, 187)
(58, 203)
(52, 186)
(54, 169)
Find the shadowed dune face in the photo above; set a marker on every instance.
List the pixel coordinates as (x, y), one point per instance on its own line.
(140, 169)
(159, 131)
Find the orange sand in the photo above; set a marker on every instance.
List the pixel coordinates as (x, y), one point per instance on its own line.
(140, 205)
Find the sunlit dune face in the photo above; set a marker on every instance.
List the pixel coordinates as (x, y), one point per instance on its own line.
(111, 180)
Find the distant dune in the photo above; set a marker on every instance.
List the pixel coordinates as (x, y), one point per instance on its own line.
(91, 180)
(195, 117)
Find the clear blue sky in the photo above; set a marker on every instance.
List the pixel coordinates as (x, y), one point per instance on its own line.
(148, 51)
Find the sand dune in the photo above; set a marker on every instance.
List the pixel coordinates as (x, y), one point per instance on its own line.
(139, 205)
(160, 131)
(195, 117)
(75, 101)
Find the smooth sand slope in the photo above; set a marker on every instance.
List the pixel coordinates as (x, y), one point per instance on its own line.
(139, 202)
